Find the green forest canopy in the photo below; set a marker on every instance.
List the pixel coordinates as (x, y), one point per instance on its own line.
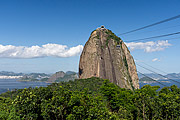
(92, 98)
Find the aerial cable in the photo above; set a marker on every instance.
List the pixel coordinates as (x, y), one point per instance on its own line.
(164, 28)
(158, 74)
(169, 38)
(152, 79)
(163, 21)
(165, 35)
(160, 70)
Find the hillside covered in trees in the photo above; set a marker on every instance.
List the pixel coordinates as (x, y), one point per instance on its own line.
(92, 98)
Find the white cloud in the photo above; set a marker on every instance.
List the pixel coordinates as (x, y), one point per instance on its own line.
(138, 60)
(155, 59)
(150, 46)
(56, 50)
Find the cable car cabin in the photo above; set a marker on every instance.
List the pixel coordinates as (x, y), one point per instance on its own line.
(118, 46)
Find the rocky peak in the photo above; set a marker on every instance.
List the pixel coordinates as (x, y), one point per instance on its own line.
(55, 76)
(106, 56)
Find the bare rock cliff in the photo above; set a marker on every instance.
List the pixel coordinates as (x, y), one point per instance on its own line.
(106, 56)
(55, 76)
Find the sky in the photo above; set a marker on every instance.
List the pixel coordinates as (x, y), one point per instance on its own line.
(49, 35)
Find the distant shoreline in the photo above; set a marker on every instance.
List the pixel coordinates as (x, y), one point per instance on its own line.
(31, 81)
(10, 77)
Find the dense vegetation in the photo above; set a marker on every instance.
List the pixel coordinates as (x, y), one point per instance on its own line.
(112, 36)
(91, 98)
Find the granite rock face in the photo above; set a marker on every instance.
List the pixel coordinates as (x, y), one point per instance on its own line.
(106, 56)
(55, 76)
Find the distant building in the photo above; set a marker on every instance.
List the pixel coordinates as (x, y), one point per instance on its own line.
(102, 26)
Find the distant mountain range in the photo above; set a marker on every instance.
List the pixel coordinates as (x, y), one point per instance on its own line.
(57, 77)
(158, 77)
(62, 76)
(6, 73)
(166, 79)
(71, 75)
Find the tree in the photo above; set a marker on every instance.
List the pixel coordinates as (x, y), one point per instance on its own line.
(144, 101)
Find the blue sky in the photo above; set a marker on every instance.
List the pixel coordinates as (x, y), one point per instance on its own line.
(67, 24)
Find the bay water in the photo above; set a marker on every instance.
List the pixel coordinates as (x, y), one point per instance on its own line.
(10, 84)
